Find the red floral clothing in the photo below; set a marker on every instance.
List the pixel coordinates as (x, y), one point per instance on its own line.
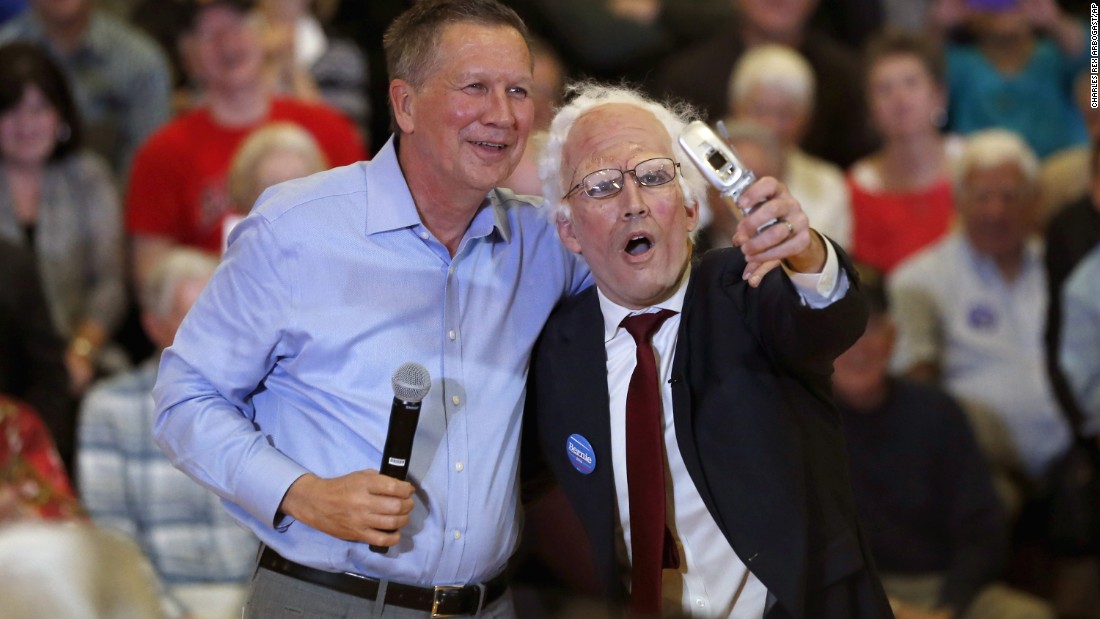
(33, 483)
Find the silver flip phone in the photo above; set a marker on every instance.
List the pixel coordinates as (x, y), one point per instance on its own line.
(720, 164)
(716, 160)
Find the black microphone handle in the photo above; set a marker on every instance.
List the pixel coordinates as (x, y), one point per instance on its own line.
(399, 441)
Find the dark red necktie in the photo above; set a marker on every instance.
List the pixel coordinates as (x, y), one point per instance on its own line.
(652, 548)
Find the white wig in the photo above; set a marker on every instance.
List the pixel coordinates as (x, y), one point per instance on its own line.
(773, 66)
(583, 98)
(994, 147)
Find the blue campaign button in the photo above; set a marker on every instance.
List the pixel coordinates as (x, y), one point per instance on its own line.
(581, 454)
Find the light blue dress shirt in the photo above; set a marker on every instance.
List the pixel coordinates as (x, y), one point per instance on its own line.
(283, 365)
(1079, 352)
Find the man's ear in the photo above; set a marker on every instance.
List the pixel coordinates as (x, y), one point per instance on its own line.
(692, 214)
(568, 235)
(402, 100)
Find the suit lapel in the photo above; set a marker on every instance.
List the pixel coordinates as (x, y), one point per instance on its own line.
(683, 415)
(583, 367)
(582, 407)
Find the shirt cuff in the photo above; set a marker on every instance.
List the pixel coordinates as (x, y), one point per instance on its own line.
(265, 481)
(822, 289)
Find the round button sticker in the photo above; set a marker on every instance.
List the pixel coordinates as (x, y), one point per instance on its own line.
(982, 317)
(581, 454)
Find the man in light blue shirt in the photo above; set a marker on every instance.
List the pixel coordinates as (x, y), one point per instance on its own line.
(276, 392)
(1079, 351)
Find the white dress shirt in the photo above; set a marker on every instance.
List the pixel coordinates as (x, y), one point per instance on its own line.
(712, 580)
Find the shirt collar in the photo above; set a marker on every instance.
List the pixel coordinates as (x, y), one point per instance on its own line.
(614, 313)
(986, 267)
(394, 208)
(398, 209)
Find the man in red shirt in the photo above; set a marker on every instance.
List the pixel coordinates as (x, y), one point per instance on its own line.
(177, 192)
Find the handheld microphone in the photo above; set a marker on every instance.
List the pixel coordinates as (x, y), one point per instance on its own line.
(411, 382)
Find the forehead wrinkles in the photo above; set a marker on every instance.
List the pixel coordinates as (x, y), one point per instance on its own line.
(613, 136)
(625, 159)
(467, 50)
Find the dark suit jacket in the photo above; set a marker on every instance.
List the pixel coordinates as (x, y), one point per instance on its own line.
(755, 424)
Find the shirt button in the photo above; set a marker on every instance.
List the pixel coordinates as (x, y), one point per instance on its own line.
(458, 535)
(455, 399)
(700, 603)
(451, 334)
(451, 270)
(424, 235)
(459, 466)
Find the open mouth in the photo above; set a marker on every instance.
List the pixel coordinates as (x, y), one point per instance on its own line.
(638, 245)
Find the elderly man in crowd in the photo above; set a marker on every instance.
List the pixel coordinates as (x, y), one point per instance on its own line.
(970, 309)
(938, 531)
(731, 425)
(199, 552)
(1079, 351)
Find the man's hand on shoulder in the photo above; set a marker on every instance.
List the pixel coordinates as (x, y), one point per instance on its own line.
(788, 239)
(363, 506)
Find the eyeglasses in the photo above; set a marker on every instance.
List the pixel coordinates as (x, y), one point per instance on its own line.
(609, 182)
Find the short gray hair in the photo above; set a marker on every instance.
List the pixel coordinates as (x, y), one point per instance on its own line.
(586, 96)
(994, 147)
(775, 66)
(178, 265)
(411, 41)
(744, 130)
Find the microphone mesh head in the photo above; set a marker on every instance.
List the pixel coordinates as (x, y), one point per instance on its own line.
(411, 382)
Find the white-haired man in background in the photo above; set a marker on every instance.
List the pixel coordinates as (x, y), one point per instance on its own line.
(202, 556)
(774, 86)
(970, 309)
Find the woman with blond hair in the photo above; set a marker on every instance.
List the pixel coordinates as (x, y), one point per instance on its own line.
(270, 155)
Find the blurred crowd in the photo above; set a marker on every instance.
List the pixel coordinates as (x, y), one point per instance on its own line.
(952, 147)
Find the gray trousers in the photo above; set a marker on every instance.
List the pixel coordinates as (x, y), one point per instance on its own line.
(276, 596)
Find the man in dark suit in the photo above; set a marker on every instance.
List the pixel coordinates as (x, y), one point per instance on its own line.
(734, 499)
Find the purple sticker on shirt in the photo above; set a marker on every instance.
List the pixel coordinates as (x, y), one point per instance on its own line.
(982, 317)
